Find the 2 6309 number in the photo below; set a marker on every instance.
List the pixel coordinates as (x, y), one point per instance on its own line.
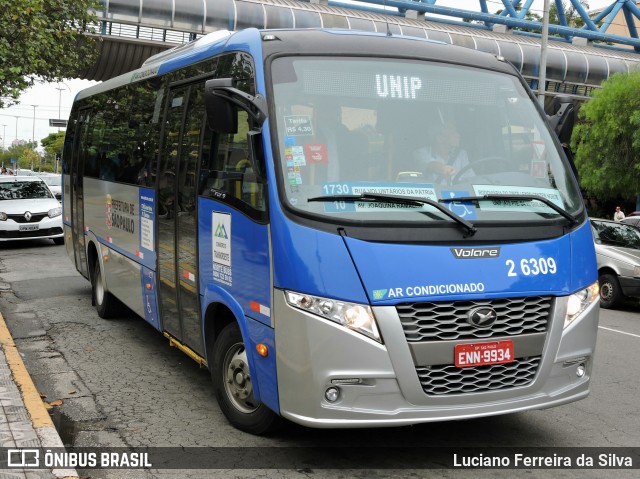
(532, 267)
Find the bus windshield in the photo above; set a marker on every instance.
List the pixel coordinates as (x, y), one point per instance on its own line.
(353, 130)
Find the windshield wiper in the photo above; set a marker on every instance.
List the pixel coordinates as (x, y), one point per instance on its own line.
(499, 197)
(400, 200)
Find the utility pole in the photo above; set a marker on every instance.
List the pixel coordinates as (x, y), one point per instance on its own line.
(542, 79)
(59, 104)
(60, 89)
(4, 134)
(33, 131)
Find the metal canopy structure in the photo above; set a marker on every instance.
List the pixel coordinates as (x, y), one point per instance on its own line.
(133, 30)
(519, 14)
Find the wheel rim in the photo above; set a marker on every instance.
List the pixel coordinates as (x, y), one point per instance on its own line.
(99, 288)
(606, 291)
(237, 379)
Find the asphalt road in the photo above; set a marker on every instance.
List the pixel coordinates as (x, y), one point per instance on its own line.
(122, 385)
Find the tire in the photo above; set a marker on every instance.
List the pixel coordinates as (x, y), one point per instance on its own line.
(610, 292)
(58, 241)
(106, 304)
(233, 386)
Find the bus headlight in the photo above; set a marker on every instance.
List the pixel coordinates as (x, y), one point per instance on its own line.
(579, 301)
(357, 317)
(53, 212)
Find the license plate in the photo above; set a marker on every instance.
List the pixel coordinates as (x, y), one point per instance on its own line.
(28, 227)
(482, 354)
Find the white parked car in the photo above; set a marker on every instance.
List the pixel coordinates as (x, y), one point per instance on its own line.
(618, 256)
(54, 182)
(23, 172)
(28, 210)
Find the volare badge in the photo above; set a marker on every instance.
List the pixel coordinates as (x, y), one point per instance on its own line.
(476, 253)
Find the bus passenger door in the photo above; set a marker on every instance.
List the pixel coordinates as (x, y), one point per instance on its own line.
(77, 193)
(235, 251)
(177, 216)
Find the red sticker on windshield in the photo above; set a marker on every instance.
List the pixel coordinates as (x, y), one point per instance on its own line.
(316, 153)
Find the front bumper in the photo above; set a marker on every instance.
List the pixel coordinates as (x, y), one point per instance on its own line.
(45, 228)
(379, 383)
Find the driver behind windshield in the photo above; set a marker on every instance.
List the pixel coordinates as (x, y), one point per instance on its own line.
(443, 158)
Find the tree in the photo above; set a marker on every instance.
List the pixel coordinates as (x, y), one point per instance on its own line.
(43, 40)
(24, 154)
(30, 160)
(52, 145)
(607, 139)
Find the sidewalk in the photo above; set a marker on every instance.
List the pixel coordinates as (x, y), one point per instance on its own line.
(24, 421)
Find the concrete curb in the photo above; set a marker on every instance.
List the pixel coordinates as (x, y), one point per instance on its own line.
(40, 419)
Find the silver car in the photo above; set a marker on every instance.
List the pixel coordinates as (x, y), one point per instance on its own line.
(28, 210)
(618, 255)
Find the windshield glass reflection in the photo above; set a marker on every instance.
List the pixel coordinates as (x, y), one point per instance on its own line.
(355, 126)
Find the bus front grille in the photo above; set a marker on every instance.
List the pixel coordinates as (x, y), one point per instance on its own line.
(448, 379)
(448, 320)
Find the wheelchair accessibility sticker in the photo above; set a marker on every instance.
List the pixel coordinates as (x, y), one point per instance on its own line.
(464, 209)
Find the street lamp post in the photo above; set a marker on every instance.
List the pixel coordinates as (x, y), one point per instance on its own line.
(59, 103)
(542, 79)
(33, 132)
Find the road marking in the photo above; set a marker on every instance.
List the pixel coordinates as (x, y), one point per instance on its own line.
(621, 332)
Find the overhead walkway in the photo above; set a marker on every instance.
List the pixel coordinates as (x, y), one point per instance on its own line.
(133, 30)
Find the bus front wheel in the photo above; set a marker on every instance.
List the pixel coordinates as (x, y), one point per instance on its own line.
(233, 384)
(106, 304)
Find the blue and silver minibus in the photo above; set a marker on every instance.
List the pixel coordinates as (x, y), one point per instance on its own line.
(348, 229)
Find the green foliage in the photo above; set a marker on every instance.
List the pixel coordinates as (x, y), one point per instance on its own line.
(30, 159)
(24, 154)
(607, 139)
(52, 145)
(43, 40)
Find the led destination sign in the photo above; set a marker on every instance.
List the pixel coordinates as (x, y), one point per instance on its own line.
(394, 81)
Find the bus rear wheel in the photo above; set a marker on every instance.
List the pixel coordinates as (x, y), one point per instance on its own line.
(106, 304)
(233, 384)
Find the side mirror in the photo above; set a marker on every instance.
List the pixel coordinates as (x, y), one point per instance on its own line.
(222, 101)
(222, 113)
(563, 118)
(562, 121)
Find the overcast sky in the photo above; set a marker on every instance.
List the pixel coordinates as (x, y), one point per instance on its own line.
(52, 103)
